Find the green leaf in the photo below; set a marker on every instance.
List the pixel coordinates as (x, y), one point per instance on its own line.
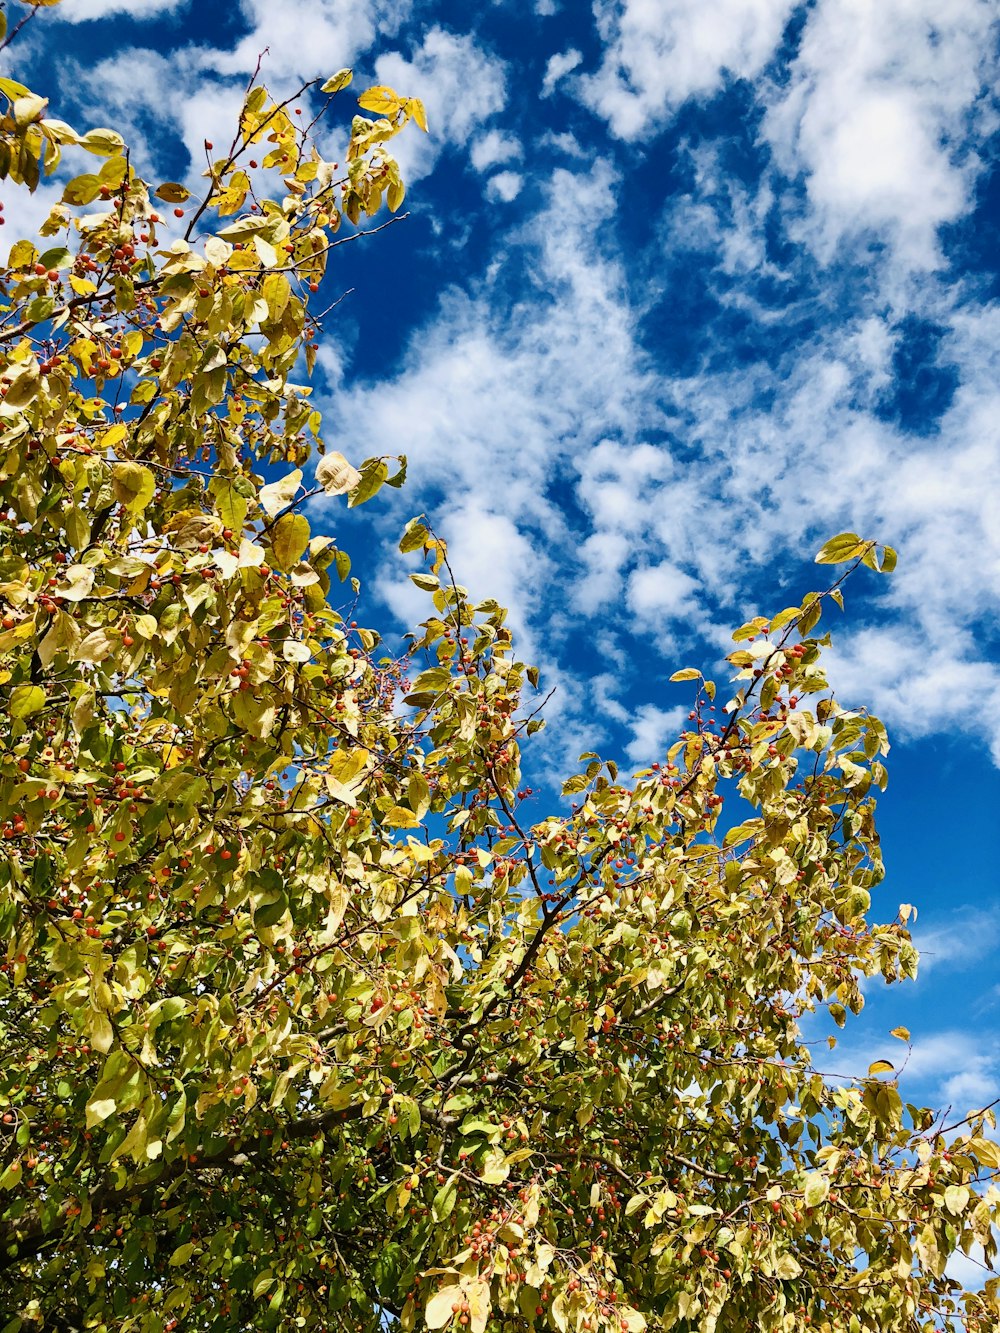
(444, 1200)
(181, 1255)
(57, 257)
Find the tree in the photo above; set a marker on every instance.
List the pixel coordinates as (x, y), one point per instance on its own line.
(306, 1022)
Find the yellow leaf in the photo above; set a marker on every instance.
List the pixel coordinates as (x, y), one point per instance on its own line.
(289, 538)
(380, 99)
(101, 1032)
(280, 494)
(266, 252)
(28, 109)
(902, 1033)
(416, 109)
(838, 549)
(339, 80)
(398, 817)
(172, 192)
(787, 1267)
(478, 1296)
(95, 647)
(987, 1151)
(27, 699)
(438, 1311)
(956, 1198)
(171, 755)
(133, 485)
(336, 475)
(103, 143)
(100, 1110)
(79, 580)
(880, 1067)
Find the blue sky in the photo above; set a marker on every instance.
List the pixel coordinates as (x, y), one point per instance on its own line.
(685, 289)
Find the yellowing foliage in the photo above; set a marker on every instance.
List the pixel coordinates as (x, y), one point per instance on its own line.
(307, 1021)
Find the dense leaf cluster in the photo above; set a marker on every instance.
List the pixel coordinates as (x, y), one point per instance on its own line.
(305, 1021)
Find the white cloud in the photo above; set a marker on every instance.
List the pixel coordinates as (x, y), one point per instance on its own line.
(661, 592)
(963, 1068)
(492, 407)
(790, 456)
(24, 213)
(961, 941)
(78, 11)
(874, 116)
(559, 65)
(601, 557)
(534, 385)
(918, 687)
(563, 142)
(494, 147)
(502, 399)
(653, 731)
(505, 186)
(656, 56)
(306, 37)
(492, 404)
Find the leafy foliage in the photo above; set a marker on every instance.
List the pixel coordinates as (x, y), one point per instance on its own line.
(305, 1021)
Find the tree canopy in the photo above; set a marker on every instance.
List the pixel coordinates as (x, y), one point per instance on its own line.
(307, 1019)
